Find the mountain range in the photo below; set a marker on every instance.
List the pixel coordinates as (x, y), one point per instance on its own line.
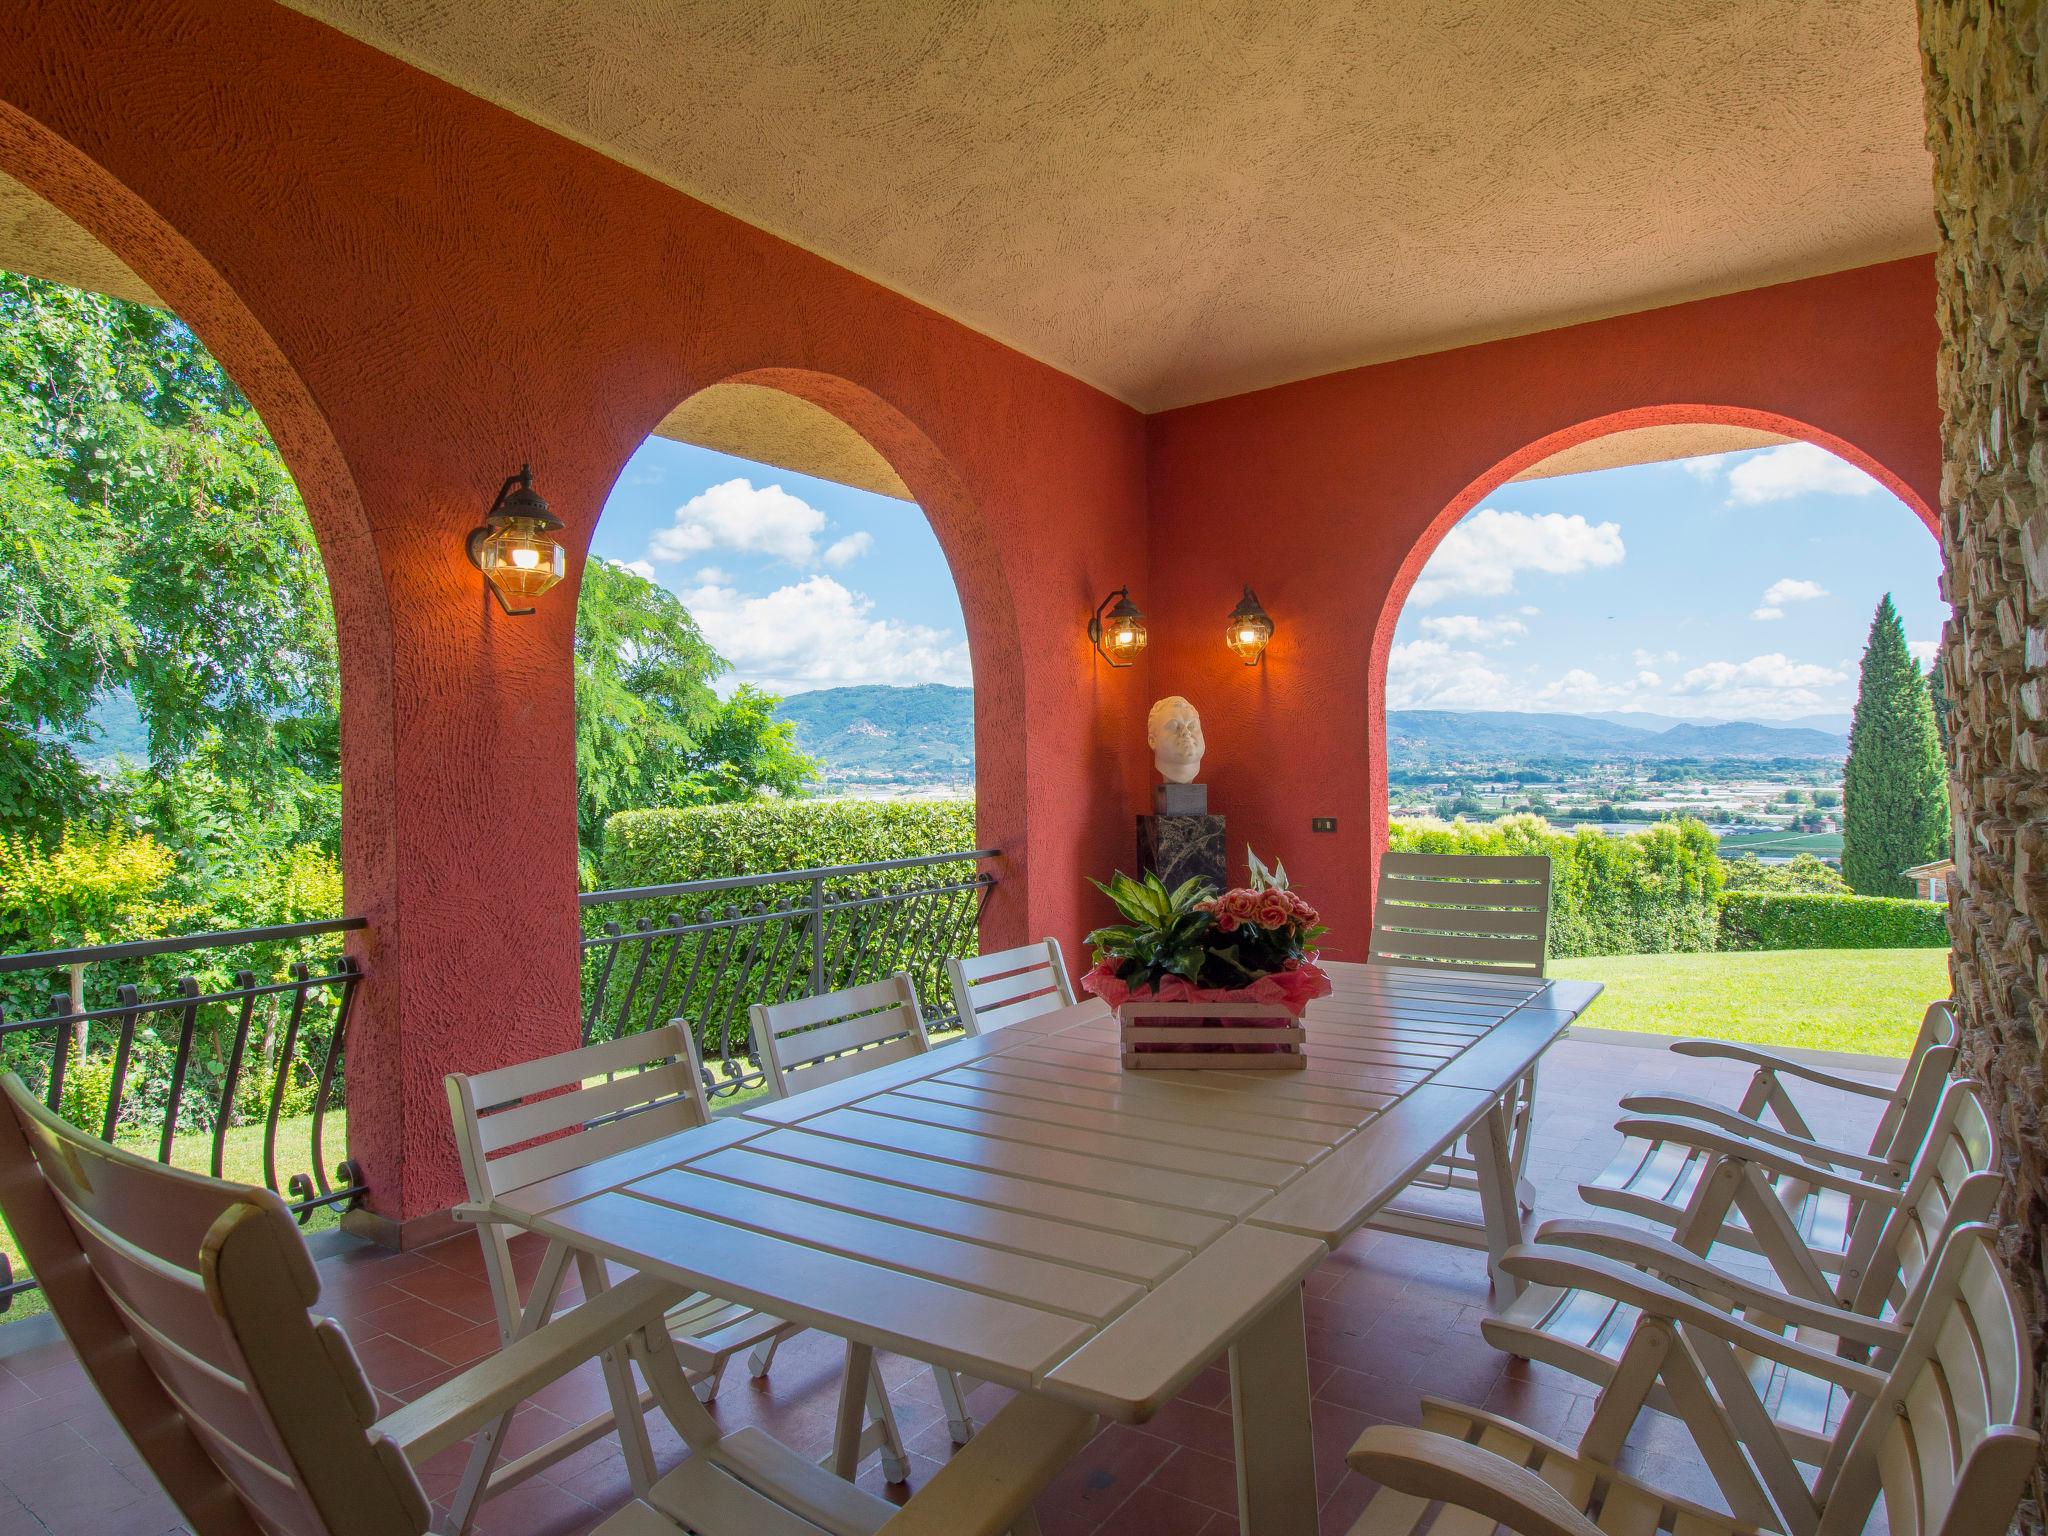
(1423, 737)
(924, 736)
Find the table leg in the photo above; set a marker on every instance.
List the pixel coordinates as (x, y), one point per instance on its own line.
(1499, 1204)
(1269, 1404)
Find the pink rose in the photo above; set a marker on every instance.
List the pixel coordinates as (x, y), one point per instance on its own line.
(1274, 910)
(1227, 923)
(1303, 912)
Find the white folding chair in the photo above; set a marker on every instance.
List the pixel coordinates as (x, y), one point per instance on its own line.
(1657, 1177)
(518, 1125)
(810, 1041)
(1469, 912)
(187, 1301)
(995, 991)
(1944, 1436)
(1955, 1182)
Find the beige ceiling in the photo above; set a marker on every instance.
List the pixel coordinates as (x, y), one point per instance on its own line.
(1649, 445)
(1181, 199)
(35, 238)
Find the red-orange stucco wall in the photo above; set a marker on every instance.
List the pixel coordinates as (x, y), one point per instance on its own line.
(1328, 496)
(419, 291)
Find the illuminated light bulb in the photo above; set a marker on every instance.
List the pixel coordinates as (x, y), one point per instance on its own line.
(1249, 631)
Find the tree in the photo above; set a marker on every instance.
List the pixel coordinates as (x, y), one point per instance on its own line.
(1894, 789)
(1937, 694)
(155, 543)
(650, 730)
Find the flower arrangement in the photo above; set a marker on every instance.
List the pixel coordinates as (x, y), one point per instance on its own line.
(1252, 944)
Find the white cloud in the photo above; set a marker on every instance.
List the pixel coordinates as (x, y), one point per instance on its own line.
(1924, 651)
(1580, 689)
(1655, 658)
(1707, 466)
(735, 514)
(1762, 688)
(849, 549)
(640, 568)
(1787, 589)
(713, 576)
(1428, 674)
(817, 633)
(1469, 629)
(1796, 469)
(1649, 680)
(1482, 555)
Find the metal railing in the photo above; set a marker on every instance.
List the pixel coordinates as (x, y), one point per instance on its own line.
(705, 950)
(169, 1046)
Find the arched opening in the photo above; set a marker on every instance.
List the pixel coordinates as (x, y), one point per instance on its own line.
(778, 670)
(170, 749)
(1638, 646)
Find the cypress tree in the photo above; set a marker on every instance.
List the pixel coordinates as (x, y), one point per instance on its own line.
(1895, 789)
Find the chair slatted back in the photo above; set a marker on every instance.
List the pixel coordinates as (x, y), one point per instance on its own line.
(1461, 911)
(1955, 1182)
(808, 1042)
(1911, 1110)
(1946, 1441)
(186, 1299)
(995, 991)
(520, 1124)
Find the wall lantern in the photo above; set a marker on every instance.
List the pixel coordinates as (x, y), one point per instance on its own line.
(516, 548)
(1250, 630)
(1118, 631)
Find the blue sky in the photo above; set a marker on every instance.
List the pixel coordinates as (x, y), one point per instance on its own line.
(1739, 586)
(1733, 587)
(799, 583)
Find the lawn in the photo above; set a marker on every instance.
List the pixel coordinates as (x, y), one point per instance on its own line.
(241, 1160)
(1864, 1000)
(1822, 845)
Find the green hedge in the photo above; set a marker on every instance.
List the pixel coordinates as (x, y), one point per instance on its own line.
(1639, 893)
(710, 977)
(762, 837)
(1787, 920)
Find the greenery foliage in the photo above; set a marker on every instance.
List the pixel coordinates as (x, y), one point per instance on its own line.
(1803, 920)
(1644, 893)
(1895, 787)
(667, 846)
(1801, 872)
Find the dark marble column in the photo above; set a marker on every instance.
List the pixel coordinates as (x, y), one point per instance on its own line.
(1176, 848)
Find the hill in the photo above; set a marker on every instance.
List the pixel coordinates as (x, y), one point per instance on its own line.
(1425, 737)
(887, 738)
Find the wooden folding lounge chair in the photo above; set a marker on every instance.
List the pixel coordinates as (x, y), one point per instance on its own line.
(1469, 912)
(1943, 1437)
(808, 1042)
(518, 1125)
(996, 991)
(1658, 1177)
(1587, 1332)
(188, 1302)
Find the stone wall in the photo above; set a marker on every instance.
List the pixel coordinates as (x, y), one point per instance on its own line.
(1987, 96)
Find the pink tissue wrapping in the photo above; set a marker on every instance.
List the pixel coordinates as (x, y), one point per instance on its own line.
(1293, 989)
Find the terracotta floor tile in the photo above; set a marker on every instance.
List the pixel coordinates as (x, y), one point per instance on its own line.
(1153, 1512)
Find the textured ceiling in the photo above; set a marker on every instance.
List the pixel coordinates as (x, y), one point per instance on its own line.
(35, 238)
(1649, 445)
(1182, 199)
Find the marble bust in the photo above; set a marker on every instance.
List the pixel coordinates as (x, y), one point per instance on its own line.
(1174, 733)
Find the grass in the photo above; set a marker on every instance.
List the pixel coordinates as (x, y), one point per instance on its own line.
(1867, 1001)
(241, 1160)
(1824, 845)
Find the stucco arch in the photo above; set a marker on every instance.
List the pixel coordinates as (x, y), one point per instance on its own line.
(1920, 500)
(987, 604)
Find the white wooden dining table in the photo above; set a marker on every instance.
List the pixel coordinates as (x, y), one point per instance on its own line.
(1019, 1207)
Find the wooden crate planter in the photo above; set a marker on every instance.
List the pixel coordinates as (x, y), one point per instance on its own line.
(1203, 1036)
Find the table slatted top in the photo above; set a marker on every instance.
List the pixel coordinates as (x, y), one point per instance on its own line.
(1021, 1207)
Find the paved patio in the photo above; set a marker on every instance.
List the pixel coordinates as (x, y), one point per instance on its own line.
(1388, 1319)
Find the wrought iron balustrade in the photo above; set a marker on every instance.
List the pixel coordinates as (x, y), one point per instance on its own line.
(705, 950)
(169, 1046)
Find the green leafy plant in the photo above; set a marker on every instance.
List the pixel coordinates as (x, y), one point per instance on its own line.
(1162, 933)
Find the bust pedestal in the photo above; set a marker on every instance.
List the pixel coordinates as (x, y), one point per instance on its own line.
(1180, 840)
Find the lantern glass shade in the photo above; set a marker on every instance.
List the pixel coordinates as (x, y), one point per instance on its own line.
(521, 558)
(1118, 629)
(1249, 631)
